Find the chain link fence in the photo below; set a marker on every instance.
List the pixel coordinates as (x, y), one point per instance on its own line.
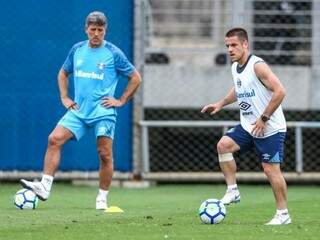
(186, 66)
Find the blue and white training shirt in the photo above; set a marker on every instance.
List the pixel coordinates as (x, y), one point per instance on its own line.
(253, 98)
(96, 74)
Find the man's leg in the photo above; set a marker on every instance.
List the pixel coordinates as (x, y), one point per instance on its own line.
(226, 146)
(56, 140)
(105, 171)
(59, 136)
(277, 182)
(279, 188)
(270, 150)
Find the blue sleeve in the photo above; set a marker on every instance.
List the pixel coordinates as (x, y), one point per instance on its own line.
(68, 63)
(122, 64)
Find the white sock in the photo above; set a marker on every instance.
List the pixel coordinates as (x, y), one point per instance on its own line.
(282, 211)
(47, 181)
(233, 187)
(103, 193)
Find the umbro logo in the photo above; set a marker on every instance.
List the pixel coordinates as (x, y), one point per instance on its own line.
(266, 156)
(244, 106)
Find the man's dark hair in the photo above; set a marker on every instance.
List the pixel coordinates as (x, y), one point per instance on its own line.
(239, 32)
(97, 18)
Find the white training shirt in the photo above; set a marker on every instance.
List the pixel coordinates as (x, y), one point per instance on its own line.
(253, 98)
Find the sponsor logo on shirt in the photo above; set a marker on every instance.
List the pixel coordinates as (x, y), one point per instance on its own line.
(246, 94)
(92, 75)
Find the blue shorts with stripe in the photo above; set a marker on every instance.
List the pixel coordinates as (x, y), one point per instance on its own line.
(269, 149)
(79, 127)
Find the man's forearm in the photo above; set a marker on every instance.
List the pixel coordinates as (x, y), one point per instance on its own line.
(274, 103)
(132, 87)
(63, 84)
(229, 98)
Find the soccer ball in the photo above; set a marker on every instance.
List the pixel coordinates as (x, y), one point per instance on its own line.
(25, 199)
(212, 211)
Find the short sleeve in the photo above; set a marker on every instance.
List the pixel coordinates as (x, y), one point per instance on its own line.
(122, 64)
(68, 63)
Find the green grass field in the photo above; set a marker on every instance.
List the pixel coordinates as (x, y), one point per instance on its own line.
(161, 212)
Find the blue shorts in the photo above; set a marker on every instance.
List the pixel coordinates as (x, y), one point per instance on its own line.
(79, 127)
(269, 149)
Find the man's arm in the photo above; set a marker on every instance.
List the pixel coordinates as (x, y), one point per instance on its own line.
(63, 83)
(216, 107)
(271, 82)
(229, 98)
(133, 84)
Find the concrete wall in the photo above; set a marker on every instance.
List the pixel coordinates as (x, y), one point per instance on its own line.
(193, 81)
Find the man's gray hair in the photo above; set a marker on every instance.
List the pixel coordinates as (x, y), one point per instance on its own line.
(96, 18)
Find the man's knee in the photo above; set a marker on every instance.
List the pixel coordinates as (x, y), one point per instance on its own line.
(271, 169)
(56, 139)
(225, 145)
(59, 136)
(105, 155)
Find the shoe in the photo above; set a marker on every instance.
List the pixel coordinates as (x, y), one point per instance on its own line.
(37, 188)
(101, 203)
(231, 196)
(280, 219)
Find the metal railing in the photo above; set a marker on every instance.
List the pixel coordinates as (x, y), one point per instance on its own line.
(145, 125)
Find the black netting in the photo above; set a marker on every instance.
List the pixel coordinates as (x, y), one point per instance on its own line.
(194, 149)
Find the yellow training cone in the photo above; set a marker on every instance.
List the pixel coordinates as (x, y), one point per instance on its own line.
(114, 209)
